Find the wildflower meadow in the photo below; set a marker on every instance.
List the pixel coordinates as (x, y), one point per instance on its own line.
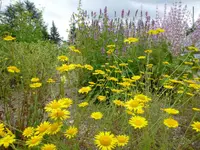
(126, 82)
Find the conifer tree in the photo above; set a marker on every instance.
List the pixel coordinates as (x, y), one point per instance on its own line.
(54, 35)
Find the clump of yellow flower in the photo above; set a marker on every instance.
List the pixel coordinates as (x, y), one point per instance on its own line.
(35, 80)
(135, 78)
(156, 31)
(192, 48)
(13, 69)
(9, 38)
(141, 57)
(168, 86)
(123, 64)
(63, 58)
(50, 80)
(101, 98)
(83, 104)
(142, 98)
(35, 85)
(72, 48)
(196, 109)
(195, 86)
(171, 111)
(65, 67)
(165, 63)
(125, 84)
(85, 90)
(110, 46)
(118, 102)
(96, 72)
(110, 51)
(148, 51)
(88, 67)
(131, 40)
(112, 79)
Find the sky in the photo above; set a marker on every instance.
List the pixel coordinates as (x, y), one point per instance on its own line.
(60, 11)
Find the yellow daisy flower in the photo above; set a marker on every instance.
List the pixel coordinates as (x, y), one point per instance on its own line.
(118, 102)
(35, 80)
(96, 115)
(85, 90)
(55, 128)
(142, 57)
(196, 109)
(35, 85)
(135, 78)
(59, 114)
(148, 51)
(142, 98)
(101, 98)
(63, 58)
(71, 132)
(88, 67)
(29, 131)
(171, 111)
(43, 128)
(48, 147)
(122, 140)
(105, 141)
(196, 126)
(83, 104)
(34, 141)
(133, 104)
(171, 123)
(138, 122)
(9, 38)
(7, 140)
(50, 80)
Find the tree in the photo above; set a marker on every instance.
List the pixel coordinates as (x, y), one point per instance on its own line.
(54, 35)
(24, 21)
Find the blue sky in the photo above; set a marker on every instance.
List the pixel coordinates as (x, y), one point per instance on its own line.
(60, 10)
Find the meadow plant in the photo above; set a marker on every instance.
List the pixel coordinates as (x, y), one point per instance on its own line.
(108, 90)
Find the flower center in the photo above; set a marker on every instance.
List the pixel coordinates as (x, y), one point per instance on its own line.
(198, 126)
(138, 122)
(134, 104)
(105, 140)
(121, 140)
(71, 132)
